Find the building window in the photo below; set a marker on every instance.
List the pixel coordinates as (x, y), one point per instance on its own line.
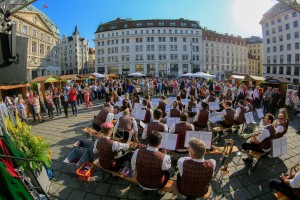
(42, 51)
(288, 36)
(280, 38)
(138, 24)
(288, 47)
(287, 26)
(274, 49)
(268, 49)
(274, 70)
(150, 24)
(280, 70)
(289, 58)
(183, 24)
(296, 34)
(297, 57)
(286, 17)
(279, 28)
(161, 24)
(297, 45)
(294, 14)
(279, 20)
(295, 23)
(288, 70)
(34, 33)
(296, 70)
(268, 70)
(281, 59)
(172, 24)
(33, 47)
(25, 30)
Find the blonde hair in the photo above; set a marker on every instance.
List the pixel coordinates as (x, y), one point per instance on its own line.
(284, 112)
(198, 147)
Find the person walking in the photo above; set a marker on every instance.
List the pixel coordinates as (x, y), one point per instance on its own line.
(72, 99)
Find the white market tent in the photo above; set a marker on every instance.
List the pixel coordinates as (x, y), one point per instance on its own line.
(136, 74)
(97, 75)
(187, 75)
(202, 75)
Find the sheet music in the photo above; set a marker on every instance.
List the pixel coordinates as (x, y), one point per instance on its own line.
(172, 99)
(260, 113)
(138, 114)
(155, 101)
(168, 108)
(137, 105)
(194, 109)
(118, 103)
(142, 124)
(168, 141)
(213, 106)
(117, 116)
(185, 101)
(122, 97)
(206, 137)
(279, 146)
(216, 119)
(249, 117)
(199, 105)
(172, 120)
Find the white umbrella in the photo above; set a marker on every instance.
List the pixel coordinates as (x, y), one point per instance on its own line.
(97, 75)
(136, 74)
(203, 75)
(187, 74)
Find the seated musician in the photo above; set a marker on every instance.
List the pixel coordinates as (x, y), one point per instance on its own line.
(280, 129)
(151, 165)
(110, 102)
(192, 104)
(202, 116)
(127, 124)
(149, 103)
(262, 143)
(125, 105)
(162, 105)
(195, 172)
(289, 185)
(155, 125)
(211, 97)
(228, 114)
(107, 148)
(192, 91)
(181, 129)
(174, 111)
(183, 94)
(179, 103)
(286, 117)
(105, 115)
(239, 113)
(126, 98)
(136, 99)
(149, 113)
(249, 107)
(221, 102)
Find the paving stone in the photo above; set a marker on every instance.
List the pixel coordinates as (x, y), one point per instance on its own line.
(54, 188)
(90, 196)
(137, 193)
(63, 179)
(75, 183)
(254, 189)
(63, 192)
(102, 188)
(76, 195)
(119, 191)
(241, 194)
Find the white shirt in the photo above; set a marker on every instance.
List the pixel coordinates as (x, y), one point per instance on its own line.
(144, 135)
(134, 125)
(115, 146)
(182, 159)
(263, 135)
(172, 128)
(109, 117)
(256, 94)
(295, 182)
(237, 112)
(279, 129)
(166, 164)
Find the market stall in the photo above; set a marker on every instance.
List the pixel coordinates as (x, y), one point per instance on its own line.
(46, 82)
(10, 90)
(236, 79)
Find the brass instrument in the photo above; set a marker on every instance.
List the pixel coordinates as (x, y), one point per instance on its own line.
(294, 170)
(226, 154)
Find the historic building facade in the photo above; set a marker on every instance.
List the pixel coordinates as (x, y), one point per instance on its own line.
(256, 49)
(43, 41)
(280, 27)
(74, 54)
(154, 47)
(224, 54)
(91, 65)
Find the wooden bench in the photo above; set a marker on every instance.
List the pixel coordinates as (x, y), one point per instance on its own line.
(170, 187)
(279, 196)
(91, 132)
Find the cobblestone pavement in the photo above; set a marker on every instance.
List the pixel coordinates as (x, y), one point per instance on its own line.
(63, 132)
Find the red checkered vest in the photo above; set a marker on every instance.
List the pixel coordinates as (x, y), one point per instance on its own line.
(180, 130)
(211, 98)
(147, 115)
(279, 135)
(266, 143)
(101, 117)
(125, 123)
(180, 105)
(155, 126)
(229, 117)
(183, 94)
(241, 118)
(202, 119)
(106, 155)
(162, 106)
(250, 107)
(192, 91)
(191, 104)
(174, 112)
(148, 105)
(148, 167)
(195, 178)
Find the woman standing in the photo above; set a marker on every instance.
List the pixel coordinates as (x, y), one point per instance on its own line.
(64, 98)
(21, 109)
(56, 100)
(50, 104)
(37, 106)
(87, 98)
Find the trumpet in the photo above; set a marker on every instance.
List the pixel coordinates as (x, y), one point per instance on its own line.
(294, 170)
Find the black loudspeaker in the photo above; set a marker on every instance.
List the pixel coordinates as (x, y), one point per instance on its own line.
(10, 72)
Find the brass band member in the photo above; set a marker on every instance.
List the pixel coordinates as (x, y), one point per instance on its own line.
(195, 172)
(149, 113)
(202, 116)
(192, 104)
(155, 125)
(107, 148)
(127, 124)
(151, 165)
(240, 113)
(249, 107)
(162, 105)
(228, 114)
(105, 115)
(174, 111)
(281, 129)
(180, 104)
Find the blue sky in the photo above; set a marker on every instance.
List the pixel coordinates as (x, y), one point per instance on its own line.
(237, 17)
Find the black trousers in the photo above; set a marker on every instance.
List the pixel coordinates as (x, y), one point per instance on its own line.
(280, 186)
(252, 146)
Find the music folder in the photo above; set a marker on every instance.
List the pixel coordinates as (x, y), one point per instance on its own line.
(142, 124)
(138, 114)
(249, 117)
(213, 106)
(279, 146)
(206, 137)
(168, 141)
(172, 120)
(260, 113)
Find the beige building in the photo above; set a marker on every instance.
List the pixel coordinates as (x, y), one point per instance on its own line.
(43, 41)
(91, 65)
(253, 65)
(256, 49)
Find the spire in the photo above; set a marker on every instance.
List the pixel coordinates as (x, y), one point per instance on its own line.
(76, 32)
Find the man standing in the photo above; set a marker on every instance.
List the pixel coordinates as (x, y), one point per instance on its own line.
(151, 165)
(256, 98)
(275, 101)
(72, 99)
(107, 149)
(267, 99)
(195, 172)
(263, 142)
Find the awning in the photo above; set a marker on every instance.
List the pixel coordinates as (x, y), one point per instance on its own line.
(70, 77)
(254, 78)
(9, 87)
(277, 80)
(52, 80)
(236, 77)
(44, 78)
